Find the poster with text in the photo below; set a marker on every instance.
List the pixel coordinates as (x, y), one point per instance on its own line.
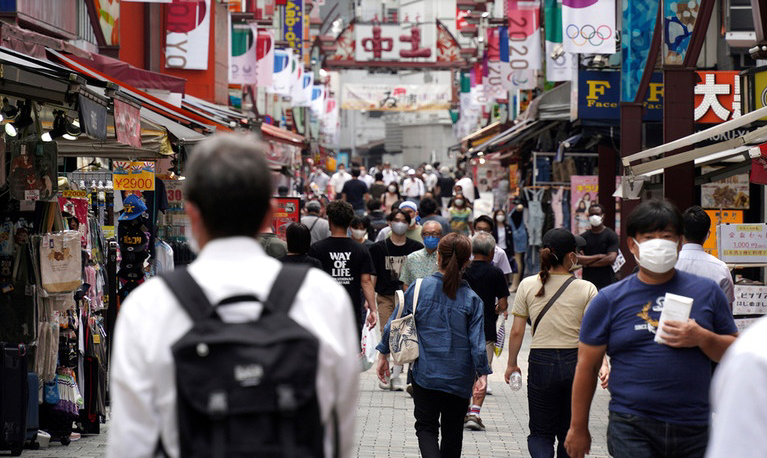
(584, 192)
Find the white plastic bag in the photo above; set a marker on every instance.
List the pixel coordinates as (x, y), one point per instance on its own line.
(368, 341)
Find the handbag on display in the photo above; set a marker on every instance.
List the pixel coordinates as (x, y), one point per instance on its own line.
(403, 336)
(61, 262)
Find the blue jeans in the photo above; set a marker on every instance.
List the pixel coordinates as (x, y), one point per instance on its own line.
(632, 436)
(549, 391)
(532, 260)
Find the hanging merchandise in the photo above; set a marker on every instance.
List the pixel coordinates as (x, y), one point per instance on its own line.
(33, 170)
(60, 262)
(588, 26)
(560, 65)
(524, 43)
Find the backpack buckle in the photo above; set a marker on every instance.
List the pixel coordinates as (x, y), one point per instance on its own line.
(218, 404)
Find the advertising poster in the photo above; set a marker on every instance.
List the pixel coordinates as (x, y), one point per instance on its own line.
(589, 26)
(729, 193)
(187, 34)
(719, 217)
(584, 192)
(287, 212)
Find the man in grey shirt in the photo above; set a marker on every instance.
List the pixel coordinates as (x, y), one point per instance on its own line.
(317, 225)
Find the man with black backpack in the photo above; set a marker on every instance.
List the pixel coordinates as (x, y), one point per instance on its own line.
(238, 355)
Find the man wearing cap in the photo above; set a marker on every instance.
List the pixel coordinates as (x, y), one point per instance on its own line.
(317, 225)
(414, 229)
(412, 187)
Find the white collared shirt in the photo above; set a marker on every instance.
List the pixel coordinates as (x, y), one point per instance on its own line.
(693, 260)
(143, 386)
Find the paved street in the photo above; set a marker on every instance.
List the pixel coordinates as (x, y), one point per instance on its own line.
(385, 423)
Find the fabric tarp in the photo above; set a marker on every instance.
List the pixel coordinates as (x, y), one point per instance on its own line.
(136, 77)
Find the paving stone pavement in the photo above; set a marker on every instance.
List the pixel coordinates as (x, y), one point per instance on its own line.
(385, 423)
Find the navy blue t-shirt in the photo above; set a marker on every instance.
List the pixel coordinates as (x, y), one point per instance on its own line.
(649, 379)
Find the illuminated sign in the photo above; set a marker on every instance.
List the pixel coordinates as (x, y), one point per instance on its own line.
(717, 97)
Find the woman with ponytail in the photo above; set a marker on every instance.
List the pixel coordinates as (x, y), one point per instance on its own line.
(562, 299)
(451, 345)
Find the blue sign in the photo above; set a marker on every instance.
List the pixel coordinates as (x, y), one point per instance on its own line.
(599, 96)
(293, 25)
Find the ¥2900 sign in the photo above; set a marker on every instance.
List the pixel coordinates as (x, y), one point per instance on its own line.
(133, 176)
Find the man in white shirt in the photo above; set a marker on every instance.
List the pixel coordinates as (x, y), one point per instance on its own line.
(320, 178)
(367, 178)
(412, 188)
(226, 175)
(467, 186)
(339, 179)
(692, 258)
(429, 178)
(389, 175)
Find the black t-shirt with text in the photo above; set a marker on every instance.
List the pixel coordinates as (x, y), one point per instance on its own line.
(355, 190)
(490, 284)
(346, 261)
(388, 260)
(604, 242)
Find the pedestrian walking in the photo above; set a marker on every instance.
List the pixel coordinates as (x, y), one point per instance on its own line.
(390, 197)
(422, 263)
(451, 347)
(460, 216)
(317, 225)
(554, 301)
(299, 241)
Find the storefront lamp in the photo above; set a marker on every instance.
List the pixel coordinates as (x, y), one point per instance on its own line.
(10, 130)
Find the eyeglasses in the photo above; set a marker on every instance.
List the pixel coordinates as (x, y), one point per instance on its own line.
(431, 234)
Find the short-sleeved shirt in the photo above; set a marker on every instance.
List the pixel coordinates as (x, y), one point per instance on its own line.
(604, 242)
(560, 326)
(346, 261)
(419, 264)
(355, 190)
(490, 284)
(301, 259)
(388, 260)
(649, 379)
(460, 219)
(446, 185)
(318, 227)
(273, 245)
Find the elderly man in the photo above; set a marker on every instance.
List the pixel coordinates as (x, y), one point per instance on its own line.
(491, 286)
(485, 224)
(317, 225)
(423, 262)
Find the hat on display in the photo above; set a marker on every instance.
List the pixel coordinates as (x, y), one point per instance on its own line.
(562, 241)
(134, 207)
(408, 204)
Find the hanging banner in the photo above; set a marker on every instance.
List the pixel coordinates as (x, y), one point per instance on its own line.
(638, 27)
(133, 176)
(187, 34)
(264, 56)
(317, 104)
(405, 97)
(524, 42)
(563, 66)
(329, 127)
(242, 54)
(127, 123)
(302, 93)
(679, 19)
(93, 117)
(281, 79)
(292, 25)
(588, 26)
(460, 18)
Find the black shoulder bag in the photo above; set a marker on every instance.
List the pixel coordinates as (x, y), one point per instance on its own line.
(552, 300)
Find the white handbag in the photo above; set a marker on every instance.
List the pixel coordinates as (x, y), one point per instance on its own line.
(403, 337)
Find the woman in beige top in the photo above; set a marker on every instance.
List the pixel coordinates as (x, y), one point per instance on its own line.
(554, 348)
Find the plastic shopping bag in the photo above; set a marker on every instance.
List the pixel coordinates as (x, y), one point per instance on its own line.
(500, 337)
(368, 341)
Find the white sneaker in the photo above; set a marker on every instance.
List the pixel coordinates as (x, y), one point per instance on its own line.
(384, 386)
(396, 384)
(489, 392)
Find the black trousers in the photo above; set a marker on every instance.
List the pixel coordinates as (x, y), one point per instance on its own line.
(434, 411)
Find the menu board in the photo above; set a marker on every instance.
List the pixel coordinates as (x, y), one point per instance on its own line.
(742, 243)
(750, 300)
(719, 217)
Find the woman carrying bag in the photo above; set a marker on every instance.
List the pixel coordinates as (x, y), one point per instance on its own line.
(555, 302)
(451, 347)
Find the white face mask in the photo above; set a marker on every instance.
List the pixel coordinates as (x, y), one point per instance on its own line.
(392, 189)
(595, 220)
(500, 218)
(459, 202)
(193, 245)
(657, 255)
(359, 233)
(575, 266)
(399, 228)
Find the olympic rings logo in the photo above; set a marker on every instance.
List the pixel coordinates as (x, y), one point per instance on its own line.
(595, 36)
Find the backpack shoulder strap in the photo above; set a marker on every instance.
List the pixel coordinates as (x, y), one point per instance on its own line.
(286, 286)
(552, 300)
(189, 294)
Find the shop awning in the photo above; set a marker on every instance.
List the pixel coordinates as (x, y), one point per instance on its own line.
(554, 104)
(273, 133)
(154, 144)
(136, 77)
(482, 135)
(180, 132)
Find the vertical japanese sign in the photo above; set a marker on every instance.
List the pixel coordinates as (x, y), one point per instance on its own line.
(187, 35)
(293, 26)
(588, 26)
(287, 212)
(127, 124)
(717, 97)
(524, 43)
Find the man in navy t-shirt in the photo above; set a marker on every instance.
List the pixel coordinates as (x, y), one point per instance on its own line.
(659, 403)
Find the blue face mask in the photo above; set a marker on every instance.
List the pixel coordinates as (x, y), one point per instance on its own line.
(431, 242)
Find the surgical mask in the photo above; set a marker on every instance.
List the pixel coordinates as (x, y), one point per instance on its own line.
(193, 245)
(575, 266)
(359, 233)
(657, 255)
(399, 228)
(595, 220)
(459, 202)
(431, 242)
(500, 218)
(414, 221)
(392, 189)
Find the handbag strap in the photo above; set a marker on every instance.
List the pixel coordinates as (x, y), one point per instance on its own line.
(551, 301)
(399, 298)
(415, 296)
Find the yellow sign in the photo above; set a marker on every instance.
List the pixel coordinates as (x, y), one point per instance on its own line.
(133, 176)
(720, 217)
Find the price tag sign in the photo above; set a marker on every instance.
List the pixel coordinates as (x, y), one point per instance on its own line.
(750, 300)
(133, 176)
(743, 243)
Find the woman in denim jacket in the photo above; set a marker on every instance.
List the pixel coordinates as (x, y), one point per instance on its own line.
(451, 345)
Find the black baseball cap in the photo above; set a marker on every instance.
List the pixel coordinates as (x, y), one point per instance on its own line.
(562, 241)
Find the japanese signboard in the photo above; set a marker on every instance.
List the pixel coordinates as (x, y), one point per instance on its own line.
(396, 42)
(599, 96)
(133, 176)
(750, 300)
(460, 18)
(731, 192)
(743, 323)
(187, 34)
(406, 97)
(719, 217)
(292, 25)
(717, 97)
(743, 243)
(287, 212)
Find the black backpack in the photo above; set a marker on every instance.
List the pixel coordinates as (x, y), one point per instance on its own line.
(246, 389)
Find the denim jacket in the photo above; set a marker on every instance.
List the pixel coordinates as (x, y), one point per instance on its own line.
(451, 337)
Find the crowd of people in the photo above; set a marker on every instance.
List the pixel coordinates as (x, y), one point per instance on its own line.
(371, 237)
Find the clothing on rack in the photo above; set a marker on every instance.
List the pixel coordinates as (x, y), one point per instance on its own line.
(556, 206)
(535, 215)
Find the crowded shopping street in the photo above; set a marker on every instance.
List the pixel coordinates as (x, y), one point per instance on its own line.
(383, 228)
